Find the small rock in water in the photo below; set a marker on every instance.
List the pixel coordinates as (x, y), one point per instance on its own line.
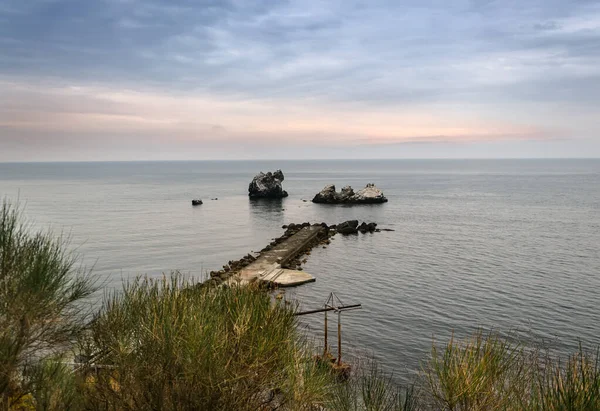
(367, 228)
(196, 202)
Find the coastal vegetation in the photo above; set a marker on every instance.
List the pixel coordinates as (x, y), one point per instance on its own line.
(42, 290)
(167, 344)
(490, 372)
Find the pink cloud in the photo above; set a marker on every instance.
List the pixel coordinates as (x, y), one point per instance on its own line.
(93, 113)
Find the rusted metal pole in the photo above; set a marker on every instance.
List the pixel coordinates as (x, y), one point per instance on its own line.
(320, 310)
(339, 361)
(325, 348)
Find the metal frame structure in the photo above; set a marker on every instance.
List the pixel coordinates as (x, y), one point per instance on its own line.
(334, 304)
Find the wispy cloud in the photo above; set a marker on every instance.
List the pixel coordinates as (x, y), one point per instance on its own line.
(72, 109)
(376, 71)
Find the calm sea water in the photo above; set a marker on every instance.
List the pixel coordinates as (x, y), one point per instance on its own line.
(498, 244)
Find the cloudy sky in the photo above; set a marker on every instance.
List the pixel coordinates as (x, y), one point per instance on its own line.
(192, 79)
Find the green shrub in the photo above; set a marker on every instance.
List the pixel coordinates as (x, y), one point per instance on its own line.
(164, 345)
(480, 373)
(574, 385)
(488, 372)
(371, 389)
(41, 290)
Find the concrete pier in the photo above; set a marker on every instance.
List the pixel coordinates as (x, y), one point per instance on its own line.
(269, 265)
(274, 262)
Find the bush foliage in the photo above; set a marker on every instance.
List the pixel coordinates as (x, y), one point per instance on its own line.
(41, 290)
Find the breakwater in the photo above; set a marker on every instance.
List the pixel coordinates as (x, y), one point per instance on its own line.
(279, 264)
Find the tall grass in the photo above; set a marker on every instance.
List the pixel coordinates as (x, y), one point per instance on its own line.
(371, 389)
(483, 372)
(573, 385)
(41, 287)
(488, 372)
(168, 346)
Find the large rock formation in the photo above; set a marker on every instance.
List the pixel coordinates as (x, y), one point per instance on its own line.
(267, 185)
(368, 195)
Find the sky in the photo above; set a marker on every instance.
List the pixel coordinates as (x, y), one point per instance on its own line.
(85, 80)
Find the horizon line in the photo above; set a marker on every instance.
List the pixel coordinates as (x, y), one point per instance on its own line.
(298, 160)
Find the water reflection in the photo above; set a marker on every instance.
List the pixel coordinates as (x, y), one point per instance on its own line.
(266, 211)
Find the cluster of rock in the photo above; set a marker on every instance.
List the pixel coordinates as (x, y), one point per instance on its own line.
(352, 227)
(229, 270)
(267, 185)
(345, 228)
(368, 195)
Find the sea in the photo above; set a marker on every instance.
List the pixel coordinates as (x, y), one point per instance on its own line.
(511, 246)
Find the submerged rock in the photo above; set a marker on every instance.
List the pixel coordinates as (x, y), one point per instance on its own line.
(267, 185)
(368, 195)
(196, 202)
(367, 228)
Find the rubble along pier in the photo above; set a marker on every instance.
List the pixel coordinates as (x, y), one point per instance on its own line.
(278, 264)
(269, 266)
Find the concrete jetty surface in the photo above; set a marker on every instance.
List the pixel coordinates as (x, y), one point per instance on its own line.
(268, 266)
(273, 263)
